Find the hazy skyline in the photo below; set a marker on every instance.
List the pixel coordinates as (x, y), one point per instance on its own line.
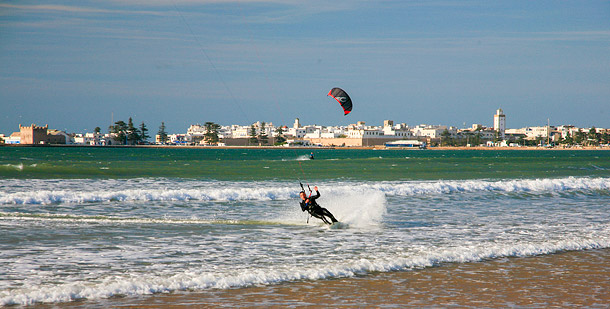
(73, 64)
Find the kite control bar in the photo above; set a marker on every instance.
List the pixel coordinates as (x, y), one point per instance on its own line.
(307, 188)
(303, 188)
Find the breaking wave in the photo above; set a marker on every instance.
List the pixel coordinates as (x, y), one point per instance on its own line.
(198, 279)
(267, 191)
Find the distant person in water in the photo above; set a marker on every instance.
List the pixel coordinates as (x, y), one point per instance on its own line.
(311, 156)
(315, 210)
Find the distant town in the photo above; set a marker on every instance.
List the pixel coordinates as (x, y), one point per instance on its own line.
(388, 134)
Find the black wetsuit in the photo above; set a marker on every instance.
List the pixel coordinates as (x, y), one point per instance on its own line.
(316, 210)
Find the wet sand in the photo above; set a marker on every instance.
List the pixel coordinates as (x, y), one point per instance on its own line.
(568, 279)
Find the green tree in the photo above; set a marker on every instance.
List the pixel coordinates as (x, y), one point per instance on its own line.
(97, 130)
(262, 136)
(132, 133)
(445, 138)
(143, 133)
(280, 139)
(593, 137)
(605, 138)
(477, 138)
(162, 134)
(497, 136)
(119, 131)
(211, 133)
(253, 136)
(579, 137)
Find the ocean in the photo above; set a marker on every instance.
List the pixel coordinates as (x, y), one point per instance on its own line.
(90, 224)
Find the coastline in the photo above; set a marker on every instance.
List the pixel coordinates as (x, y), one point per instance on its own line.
(307, 148)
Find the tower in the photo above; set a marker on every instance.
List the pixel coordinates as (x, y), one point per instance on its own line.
(33, 134)
(500, 122)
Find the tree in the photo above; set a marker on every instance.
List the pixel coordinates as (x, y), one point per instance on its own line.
(605, 138)
(592, 137)
(211, 133)
(579, 136)
(280, 139)
(162, 134)
(253, 136)
(263, 134)
(132, 133)
(119, 130)
(521, 140)
(445, 138)
(97, 130)
(144, 133)
(476, 140)
(497, 136)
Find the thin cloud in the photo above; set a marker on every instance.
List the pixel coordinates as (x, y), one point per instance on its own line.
(73, 9)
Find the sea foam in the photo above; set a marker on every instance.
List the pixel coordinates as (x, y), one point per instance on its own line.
(197, 279)
(207, 191)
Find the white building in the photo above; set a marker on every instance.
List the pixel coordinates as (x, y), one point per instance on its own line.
(432, 131)
(93, 139)
(370, 132)
(399, 130)
(14, 138)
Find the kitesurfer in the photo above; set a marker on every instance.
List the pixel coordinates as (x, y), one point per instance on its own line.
(311, 156)
(315, 210)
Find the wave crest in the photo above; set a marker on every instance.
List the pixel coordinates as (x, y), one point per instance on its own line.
(266, 191)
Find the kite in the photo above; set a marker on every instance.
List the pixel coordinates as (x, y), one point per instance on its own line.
(341, 96)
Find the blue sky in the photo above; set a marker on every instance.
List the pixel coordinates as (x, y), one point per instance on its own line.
(76, 65)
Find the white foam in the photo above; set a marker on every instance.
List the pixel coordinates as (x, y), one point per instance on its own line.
(509, 186)
(365, 209)
(18, 167)
(37, 192)
(197, 279)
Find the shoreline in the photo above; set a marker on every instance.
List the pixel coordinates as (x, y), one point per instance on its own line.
(523, 148)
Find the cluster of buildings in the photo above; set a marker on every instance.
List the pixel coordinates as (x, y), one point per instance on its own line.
(354, 135)
(38, 135)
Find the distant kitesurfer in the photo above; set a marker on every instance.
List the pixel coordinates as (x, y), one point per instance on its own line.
(311, 156)
(315, 210)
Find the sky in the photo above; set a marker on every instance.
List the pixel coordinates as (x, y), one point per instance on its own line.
(77, 65)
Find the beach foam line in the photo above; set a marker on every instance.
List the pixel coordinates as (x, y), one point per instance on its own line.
(275, 191)
(198, 279)
(117, 220)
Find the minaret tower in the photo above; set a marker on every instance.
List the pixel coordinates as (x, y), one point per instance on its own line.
(500, 122)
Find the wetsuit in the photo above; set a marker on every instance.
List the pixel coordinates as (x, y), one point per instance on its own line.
(316, 210)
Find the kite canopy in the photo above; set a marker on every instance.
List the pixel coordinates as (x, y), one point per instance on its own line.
(341, 96)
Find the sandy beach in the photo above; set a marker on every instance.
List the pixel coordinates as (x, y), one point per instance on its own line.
(567, 279)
